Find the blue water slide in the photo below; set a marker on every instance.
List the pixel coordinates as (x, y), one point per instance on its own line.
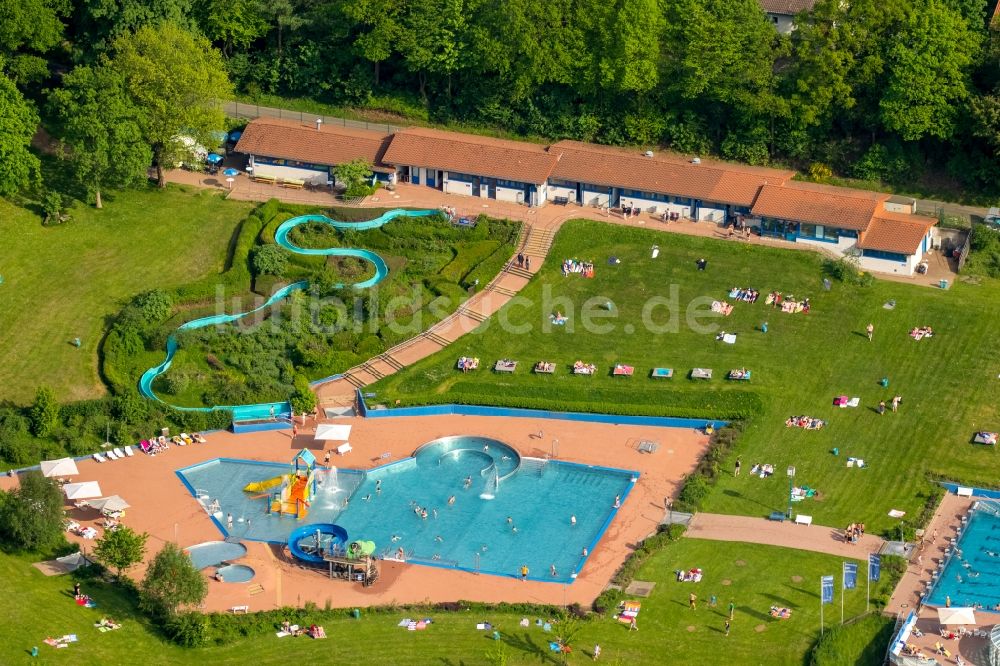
(281, 409)
(337, 533)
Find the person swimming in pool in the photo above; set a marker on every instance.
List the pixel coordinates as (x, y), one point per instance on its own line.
(439, 538)
(468, 482)
(451, 500)
(510, 521)
(395, 538)
(367, 497)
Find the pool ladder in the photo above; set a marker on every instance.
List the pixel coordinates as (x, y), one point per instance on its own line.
(534, 465)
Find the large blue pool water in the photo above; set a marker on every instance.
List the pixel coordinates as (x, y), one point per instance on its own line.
(212, 553)
(473, 533)
(972, 574)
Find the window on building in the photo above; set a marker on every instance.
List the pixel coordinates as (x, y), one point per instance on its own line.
(888, 256)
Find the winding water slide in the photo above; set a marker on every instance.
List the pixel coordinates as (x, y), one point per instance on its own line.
(302, 541)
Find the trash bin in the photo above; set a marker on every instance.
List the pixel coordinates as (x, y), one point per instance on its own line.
(835, 451)
(884, 382)
(943, 284)
(356, 614)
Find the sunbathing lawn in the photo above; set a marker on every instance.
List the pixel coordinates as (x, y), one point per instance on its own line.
(62, 282)
(761, 576)
(949, 383)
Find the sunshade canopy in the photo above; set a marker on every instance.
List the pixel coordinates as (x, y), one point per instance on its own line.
(957, 615)
(328, 431)
(60, 467)
(113, 503)
(83, 490)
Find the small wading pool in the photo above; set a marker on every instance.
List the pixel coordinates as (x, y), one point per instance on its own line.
(235, 573)
(213, 553)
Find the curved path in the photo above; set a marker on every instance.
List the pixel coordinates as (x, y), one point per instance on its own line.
(264, 410)
(815, 538)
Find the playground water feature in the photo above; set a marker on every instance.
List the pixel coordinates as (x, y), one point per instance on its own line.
(472, 533)
(971, 572)
(282, 409)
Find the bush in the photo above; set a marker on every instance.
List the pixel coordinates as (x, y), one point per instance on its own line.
(860, 642)
(847, 270)
(171, 581)
(188, 629)
(153, 306)
(31, 515)
(44, 413)
(610, 598)
(303, 401)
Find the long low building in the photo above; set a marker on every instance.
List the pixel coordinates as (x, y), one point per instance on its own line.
(879, 229)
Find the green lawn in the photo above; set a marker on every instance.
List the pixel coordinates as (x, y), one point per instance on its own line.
(62, 282)
(949, 382)
(760, 577)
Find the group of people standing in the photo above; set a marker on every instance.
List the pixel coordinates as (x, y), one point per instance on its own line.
(523, 261)
(854, 532)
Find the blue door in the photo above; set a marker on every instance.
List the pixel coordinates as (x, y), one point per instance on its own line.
(430, 178)
(415, 175)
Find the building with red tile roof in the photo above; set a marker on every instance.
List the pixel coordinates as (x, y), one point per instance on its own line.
(472, 165)
(307, 152)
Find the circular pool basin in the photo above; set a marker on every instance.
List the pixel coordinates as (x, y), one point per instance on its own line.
(235, 573)
(211, 553)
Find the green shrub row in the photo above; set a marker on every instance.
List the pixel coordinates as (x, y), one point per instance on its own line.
(698, 483)
(862, 641)
(611, 597)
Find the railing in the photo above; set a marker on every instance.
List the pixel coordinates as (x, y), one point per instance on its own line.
(250, 111)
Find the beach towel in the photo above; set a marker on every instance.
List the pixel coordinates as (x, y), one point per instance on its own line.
(729, 338)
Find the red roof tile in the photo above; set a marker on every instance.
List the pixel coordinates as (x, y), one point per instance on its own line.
(329, 145)
(830, 206)
(470, 154)
(896, 232)
(716, 182)
(787, 7)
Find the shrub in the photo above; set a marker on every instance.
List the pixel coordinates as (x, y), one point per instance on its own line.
(31, 515)
(303, 401)
(270, 260)
(44, 413)
(847, 270)
(610, 598)
(188, 629)
(171, 581)
(153, 306)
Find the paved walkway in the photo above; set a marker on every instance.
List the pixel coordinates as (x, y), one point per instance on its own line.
(815, 538)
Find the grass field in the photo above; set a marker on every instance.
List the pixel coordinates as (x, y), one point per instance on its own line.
(759, 578)
(949, 383)
(60, 283)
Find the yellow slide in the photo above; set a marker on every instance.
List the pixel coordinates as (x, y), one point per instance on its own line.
(297, 493)
(261, 486)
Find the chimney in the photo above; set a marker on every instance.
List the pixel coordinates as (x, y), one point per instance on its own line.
(319, 121)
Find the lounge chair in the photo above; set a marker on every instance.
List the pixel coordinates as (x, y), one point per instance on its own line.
(198, 437)
(701, 373)
(128, 451)
(623, 370)
(984, 437)
(99, 458)
(344, 448)
(662, 373)
(119, 453)
(111, 455)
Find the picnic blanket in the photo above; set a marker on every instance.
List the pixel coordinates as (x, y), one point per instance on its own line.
(663, 373)
(62, 641)
(466, 363)
(763, 471)
(581, 368)
(689, 576)
(623, 370)
(781, 613)
(701, 373)
(983, 437)
(804, 422)
(739, 374)
(723, 308)
(843, 401)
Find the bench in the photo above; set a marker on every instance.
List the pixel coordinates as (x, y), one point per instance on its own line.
(292, 184)
(777, 516)
(560, 201)
(803, 520)
(962, 491)
(344, 448)
(239, 609)
(263, 179)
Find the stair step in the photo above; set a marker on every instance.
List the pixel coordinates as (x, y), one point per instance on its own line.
(472, 314)
(437, 339)
(504, 291)
(370, 369)
(391, 361)
(354, 381)
(520, 272)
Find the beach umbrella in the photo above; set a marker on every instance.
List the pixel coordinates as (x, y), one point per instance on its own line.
(957, 615)
(84, 490)
(330, 431)
(231, 172)
(60, 467)
(213, 158)
(110, 504)
(235, 135)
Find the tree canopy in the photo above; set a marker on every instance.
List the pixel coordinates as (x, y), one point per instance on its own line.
(121, 548)
(19, 168)
(31, 515)
(171, 581)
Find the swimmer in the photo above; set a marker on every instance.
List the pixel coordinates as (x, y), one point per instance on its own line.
(451, 501)
(514, 530)
(486, 447)
(991, 553)
(973, 574)
(416, 509)
(423, 514)
(395, 538)
(510, 521)
(436, 557)
(618, 501)
(435, 514)
(468, 482)
(367, 497)
(484, 548)
(439, 538)
(378, 486)
(552, 570)
(585, 552)
(572, 520)
(346, 502)
(400, 553)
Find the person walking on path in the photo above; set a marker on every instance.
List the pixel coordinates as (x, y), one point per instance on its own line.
(693, 601)
(732, 609)
(881, 407)
(870, 330)
(738, 465)
(527, 263)
(597, 652)
(727, 627)
(524, 572)
(895, 402)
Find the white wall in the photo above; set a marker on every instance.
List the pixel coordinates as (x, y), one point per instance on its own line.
(841, 247)
(308, 175)
(885, 266)
(508, 194)
(457, 187)
(908, 208)
(713, 214)
(781, 22)
(562, 191)
(655, 207)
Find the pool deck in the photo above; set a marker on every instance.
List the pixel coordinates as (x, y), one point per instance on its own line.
(163, 507)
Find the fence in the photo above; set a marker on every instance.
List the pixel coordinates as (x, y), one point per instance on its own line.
(251, 111)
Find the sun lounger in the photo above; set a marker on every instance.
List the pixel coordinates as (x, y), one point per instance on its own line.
(99, 458)
(198, 437)
(119, 453)
(505, 365)
(646, 446)
(243, 609)
(662, 373)
(186, 438)
(984, 437)
(111, 455)
(739, 374)
(128, 451)
(344, 448)
(623, 370)
(701, 373)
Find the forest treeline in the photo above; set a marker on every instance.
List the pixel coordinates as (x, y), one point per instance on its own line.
(898, 91)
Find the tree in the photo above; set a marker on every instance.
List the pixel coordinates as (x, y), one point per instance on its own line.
(355, 176)
(270, 260)
(171, 581)
(929, 66)
(19, 168)
(177, 83)
(303, 400)
(121, 548)
(378, 28)
(631, 58)
(28, 30)
(31, 515)
(434, 39)
(100, 131)
(44, 412)
(233, 23)
(100, 22)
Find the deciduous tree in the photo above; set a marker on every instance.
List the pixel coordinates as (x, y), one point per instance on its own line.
(19, 168)
(171, 582)
(31, 515)
(121, 548)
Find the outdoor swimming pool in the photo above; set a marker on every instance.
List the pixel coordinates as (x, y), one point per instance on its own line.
(211, 553)
(235, 573)
(972, 574)
(473, 533)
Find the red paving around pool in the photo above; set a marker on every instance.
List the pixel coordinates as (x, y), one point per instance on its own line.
(162, 506)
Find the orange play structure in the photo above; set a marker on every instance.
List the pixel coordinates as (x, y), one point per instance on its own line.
(295, 489)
